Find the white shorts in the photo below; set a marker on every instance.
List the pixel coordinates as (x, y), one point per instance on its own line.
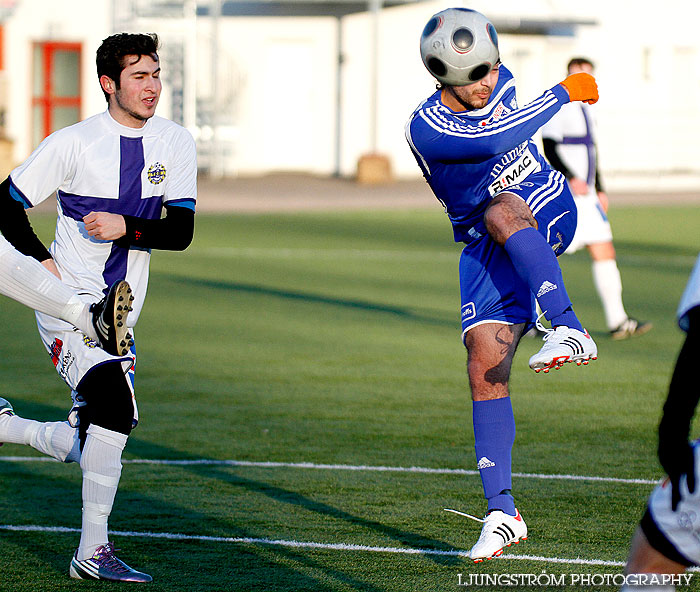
(680, 529)
(593, 226)
(74, 354)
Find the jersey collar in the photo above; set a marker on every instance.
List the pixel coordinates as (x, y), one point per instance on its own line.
(124, 130)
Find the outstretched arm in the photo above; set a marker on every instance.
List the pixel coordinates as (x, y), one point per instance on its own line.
(675, 452)
(436, 133)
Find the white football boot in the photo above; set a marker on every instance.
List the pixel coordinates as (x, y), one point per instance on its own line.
(562, 345)
(500, 530)
(105, 565)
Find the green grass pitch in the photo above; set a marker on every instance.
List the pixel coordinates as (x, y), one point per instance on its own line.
(333, 339)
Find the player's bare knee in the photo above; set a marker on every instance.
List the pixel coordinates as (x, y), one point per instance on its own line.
(488, 373)
(505, 215)
(490, 351)
(488, 379)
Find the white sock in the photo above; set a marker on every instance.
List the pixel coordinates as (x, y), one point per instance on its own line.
(26, 280)
(606, 277)
(102, 468)
(56, 439)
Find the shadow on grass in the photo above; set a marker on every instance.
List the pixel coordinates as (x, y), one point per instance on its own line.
(52, 501)
(290, 295)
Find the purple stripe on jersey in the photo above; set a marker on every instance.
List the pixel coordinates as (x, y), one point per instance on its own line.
(586, 141)
(77, 206)
(131, 162)
(130, 166)
(115, 266)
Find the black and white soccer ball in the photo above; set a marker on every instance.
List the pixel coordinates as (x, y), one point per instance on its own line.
(459, 46)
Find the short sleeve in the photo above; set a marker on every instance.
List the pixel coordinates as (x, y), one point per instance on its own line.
(181, 189)
(50, 166)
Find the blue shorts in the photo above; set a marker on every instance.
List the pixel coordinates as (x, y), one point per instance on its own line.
(491, 289)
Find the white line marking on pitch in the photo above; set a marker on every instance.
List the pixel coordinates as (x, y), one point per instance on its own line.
(338, 467)
(310, 545)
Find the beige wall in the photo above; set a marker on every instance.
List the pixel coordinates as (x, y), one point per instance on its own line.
(277, 80)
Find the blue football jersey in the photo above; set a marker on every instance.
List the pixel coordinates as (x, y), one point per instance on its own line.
(468, 157)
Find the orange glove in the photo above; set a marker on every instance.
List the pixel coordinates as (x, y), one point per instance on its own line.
(581, 87)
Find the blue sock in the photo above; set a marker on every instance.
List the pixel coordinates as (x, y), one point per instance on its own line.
(537, 265)
(494, 434)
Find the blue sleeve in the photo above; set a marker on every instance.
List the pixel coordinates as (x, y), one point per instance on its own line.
(438, 136)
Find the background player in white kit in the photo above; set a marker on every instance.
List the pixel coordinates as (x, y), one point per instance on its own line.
(569, 142)
(667, 540)
(113, 174)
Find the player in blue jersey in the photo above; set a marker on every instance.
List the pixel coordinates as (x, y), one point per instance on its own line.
(112, 174)
(569, 142)
(515, 214)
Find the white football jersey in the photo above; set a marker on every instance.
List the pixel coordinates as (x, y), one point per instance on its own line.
(691, 296)
(573, 130)
(102, 166)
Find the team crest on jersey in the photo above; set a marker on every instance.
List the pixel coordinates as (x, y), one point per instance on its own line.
(89, 342)
(156, 173)
(498, 112)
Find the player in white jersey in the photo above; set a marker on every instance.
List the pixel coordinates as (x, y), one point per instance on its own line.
(113, 174)
(667, 540)
(25, 280)
(569, 142)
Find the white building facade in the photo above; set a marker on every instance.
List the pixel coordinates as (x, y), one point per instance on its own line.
(314, 91)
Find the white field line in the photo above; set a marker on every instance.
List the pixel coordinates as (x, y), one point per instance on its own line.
(310, 545)
(340, 467)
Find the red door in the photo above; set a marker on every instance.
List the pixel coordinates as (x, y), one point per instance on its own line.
(55, 87)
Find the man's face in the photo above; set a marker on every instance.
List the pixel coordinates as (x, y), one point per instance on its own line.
(136, 100)
(477, 94)
(576, 68)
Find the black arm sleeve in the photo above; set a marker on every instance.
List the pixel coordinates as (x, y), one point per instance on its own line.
(684, 391)
(16, 228)
(550, 151)
(172, 233)
(598, 180)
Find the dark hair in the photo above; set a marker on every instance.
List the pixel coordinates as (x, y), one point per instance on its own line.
(579, 62)
(111, 54)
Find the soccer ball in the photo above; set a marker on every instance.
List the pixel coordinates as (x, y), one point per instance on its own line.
(459, 46)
